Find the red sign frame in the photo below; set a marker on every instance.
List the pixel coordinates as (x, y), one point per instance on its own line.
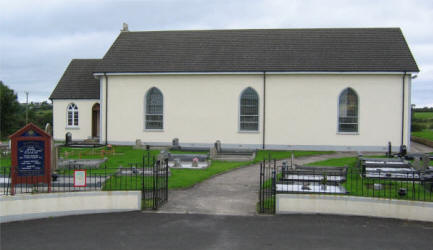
(85, 178)
(19, 136)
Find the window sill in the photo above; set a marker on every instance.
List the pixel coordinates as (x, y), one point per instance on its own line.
(73, 128)
(153, 130)
(249, 132)
(347, 133)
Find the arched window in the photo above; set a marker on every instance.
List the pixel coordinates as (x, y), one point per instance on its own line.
(72, 115)
(154, 109)
(348, 111)
(249, 110)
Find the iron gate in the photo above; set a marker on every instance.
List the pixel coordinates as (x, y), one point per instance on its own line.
(267, 189)
(154, 182)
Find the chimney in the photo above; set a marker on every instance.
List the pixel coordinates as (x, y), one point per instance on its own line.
(125, 28)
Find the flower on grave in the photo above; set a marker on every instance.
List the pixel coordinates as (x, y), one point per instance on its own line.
(195, 159)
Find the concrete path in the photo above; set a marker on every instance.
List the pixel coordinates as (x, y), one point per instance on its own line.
(419, 148)
(231, 193)
(137, 230)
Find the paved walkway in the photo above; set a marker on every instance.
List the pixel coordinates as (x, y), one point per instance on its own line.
(419, 148)
(137, 230)
(231, 193)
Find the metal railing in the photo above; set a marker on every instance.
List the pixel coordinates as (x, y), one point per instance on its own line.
(415, 185)
(149, 176)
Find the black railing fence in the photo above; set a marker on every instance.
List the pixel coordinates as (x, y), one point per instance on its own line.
(415, 185)
(149, 176)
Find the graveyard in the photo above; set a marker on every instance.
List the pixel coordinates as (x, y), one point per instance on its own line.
(349, 175)
(110, 160)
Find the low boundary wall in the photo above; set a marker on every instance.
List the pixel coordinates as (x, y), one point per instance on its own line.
(352, 205)
(33, 206)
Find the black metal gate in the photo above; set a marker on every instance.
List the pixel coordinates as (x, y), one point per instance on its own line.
(154, 182)
(267, 189)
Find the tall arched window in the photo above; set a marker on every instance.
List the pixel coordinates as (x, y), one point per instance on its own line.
(348, 111)
(154, 109)
(249, 110)
(72, 115)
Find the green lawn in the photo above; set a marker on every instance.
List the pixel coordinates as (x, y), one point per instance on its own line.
(423, 115)
(188, 152)
(278, 155)
(422, 124)
(426, 134)
(180, 178)
(358, 186)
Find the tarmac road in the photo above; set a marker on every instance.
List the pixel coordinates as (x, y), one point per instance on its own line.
(139, 230)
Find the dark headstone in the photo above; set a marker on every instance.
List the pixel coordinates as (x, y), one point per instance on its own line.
(218, 146)
(68, 139)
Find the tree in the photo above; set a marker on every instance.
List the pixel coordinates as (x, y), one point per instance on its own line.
(9, 111)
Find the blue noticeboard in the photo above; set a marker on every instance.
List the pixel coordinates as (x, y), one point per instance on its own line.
(31, 158)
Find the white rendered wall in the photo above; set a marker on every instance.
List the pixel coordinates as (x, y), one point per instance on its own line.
(301, 110)
(60, 126)
(33, 206)
(197, 109)
(351, 205)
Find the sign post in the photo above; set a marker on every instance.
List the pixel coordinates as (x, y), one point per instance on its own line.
(31, 157)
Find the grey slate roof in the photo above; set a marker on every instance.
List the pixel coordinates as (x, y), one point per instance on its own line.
(301, 50)
(78, 81)
(349, 49)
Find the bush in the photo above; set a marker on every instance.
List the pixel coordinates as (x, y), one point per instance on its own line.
(416, 127)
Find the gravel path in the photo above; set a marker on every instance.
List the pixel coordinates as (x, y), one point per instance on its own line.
(231, 193)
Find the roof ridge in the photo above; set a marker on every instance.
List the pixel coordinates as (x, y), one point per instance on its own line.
(261, 29)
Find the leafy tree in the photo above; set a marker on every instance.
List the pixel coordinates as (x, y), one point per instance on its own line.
(9, 111)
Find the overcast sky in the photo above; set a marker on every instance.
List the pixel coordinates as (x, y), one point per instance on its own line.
(39, 38)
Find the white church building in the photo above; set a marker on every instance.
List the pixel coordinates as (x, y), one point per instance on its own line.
(306, 89)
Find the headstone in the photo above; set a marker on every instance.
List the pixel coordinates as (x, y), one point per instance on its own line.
(163, 155)
(389, 153)
(403, 150)
(425, 161)
(417, 163)
(175, 142)
(48, 129)
(218, 146)
(377, 186)
(68, 139)
(213, 153)
(195, 162)
(292, 161)
(177, 163)
(30, 157)
(284, 167)
(138, 143)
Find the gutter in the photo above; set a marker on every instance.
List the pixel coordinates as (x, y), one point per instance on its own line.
(264, 109)
(106, 109)
(403, 107)
(255, 73)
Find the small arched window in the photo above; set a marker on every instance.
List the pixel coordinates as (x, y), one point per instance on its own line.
(348, 111)
(154, 109)
(249, 110)
(72, 115)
